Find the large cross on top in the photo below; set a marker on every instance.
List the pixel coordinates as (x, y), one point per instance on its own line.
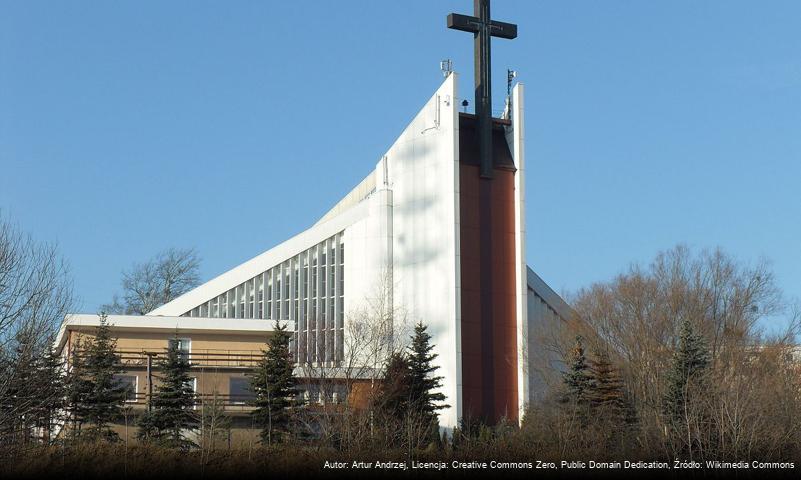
(483, 27)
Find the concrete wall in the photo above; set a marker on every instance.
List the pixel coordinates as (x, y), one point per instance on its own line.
(422, 171)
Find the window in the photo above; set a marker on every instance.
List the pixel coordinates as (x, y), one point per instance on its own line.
(130, 384)
(260, 296)
(307, 288)
(192, 383)
(184, 346)
(286, 291)
(240, 391)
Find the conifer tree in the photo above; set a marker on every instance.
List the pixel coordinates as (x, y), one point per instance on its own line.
(606, 387)
(77, 387)
(690, 364)
(423, 383)
(577, 379)
(608, 399)
(171, 414)
(103, 396)
(394, 394)
(275, 387)
(19, 397)
(52, 392)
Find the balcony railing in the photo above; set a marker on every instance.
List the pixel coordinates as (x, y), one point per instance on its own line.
(228, 403)
(197, 357)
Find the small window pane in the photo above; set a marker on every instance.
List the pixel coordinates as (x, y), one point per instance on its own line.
(240, 391)
(128, 383)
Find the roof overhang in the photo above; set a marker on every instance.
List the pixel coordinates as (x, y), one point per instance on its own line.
(152, 323)
(539, 287)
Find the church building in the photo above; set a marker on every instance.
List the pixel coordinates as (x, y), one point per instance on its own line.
(410, 235)
(434, 233)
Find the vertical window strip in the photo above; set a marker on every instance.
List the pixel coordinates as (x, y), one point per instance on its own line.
(307, 289)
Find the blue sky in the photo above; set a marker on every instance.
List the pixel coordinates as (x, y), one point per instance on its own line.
(129, 127)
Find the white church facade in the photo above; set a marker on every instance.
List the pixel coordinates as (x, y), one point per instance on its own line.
(415, 225)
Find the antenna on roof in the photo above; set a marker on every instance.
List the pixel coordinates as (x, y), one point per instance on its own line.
(510, 76)
(507, 109)
(446, 66)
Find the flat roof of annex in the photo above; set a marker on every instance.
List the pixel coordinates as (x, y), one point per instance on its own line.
(180, 325)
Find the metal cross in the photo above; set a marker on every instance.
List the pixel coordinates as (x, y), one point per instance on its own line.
(483, 28)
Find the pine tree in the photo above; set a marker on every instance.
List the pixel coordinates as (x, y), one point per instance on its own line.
(424, 399)
(52, 393)
(394, 394)
(690, 364)
(103, 397)
(577, 379)
(275, 386)
(608, 400)
(171, 414)
(77, 388)
(19, 397)
(606, 387)
(31, 387)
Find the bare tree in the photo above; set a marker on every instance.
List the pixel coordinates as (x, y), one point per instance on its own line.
(747, 402)
(215, 425)
(341, 391)
(149, 285)
(35, 294)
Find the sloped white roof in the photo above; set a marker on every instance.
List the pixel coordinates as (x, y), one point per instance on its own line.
(257, 265)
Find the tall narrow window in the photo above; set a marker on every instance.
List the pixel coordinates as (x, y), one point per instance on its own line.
(242, 312)
(278, 283)
(323, 291)
(331, 281)
(269, 295)
(260, 295)
(286, 296)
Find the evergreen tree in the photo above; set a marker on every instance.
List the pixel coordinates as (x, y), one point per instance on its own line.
(577, 379)
(52, 394)
(394, 394)
(606, 387)
(19, 397)
(424, 400)
(275, 386)
(171, 413)
(77, 388)
(690, 364)
(103, 396)
(31, 388)
(608, 400)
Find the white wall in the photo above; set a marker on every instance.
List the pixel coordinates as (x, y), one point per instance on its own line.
(406, 232)
(515, 138)
(422, 171)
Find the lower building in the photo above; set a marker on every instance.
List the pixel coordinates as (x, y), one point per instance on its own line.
(221, 352)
